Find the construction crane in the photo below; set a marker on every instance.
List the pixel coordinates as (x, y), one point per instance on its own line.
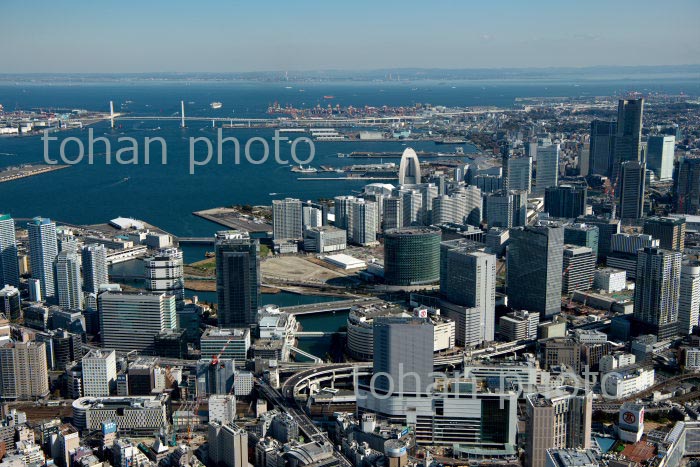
(610, 191)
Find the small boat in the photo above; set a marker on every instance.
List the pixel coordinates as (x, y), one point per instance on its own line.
(341, 155)
(216, 105)
(272, 194)
(304, 170)
(329, 97)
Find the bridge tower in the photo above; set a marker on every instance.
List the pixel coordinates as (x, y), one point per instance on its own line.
(182, 114)
(111, 113)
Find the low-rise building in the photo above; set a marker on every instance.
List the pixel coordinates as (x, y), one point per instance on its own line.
(136, 415)
(325, 239)
(610, 280)
(519, 325)
(622, 383)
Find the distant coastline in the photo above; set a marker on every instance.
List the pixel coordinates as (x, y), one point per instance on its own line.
(676, 72)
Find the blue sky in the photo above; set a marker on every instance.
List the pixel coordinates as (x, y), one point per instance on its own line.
(176, 35)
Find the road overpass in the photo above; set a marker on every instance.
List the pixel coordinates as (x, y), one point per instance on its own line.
(326, 307)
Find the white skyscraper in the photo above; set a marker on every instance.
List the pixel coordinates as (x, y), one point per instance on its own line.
(689, 299)
(99, 373)
(287, 219)
(131, 320)
(364, 222)
(660, 151)
(69, 280)
(547, 168)
(43, 249)
(164, 273)
(342, 211)
(9, 265)
(94, 267)
(409, 168)
(311, 217)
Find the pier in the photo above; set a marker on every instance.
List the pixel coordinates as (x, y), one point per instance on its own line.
(16, 173)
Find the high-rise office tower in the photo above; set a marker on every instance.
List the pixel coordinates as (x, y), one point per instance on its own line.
(660, 151)
(547, 174)
(286, 219)
(687, 186)
(567, 201)
(34, 286)
(606, 229)
(519, 173)
(228, 445)
(689, 297)
(560, 418)
(669, 230)
(131, 320)
(165, 273)
(69, 280)
(95, 271)
(578, 268)
(43, 249)
(657, 291)
(584, 159)
(631, 189)
(9, 264)
(409, 168)
(364, 222)
(393, 213)
(99, 373)
(237, 278)
(506, 209)
(582, 235)
(534, 260)
(468, 278)
(342, 211)
(602, 147)
(403, 345)
(412, 256)
(628, 133)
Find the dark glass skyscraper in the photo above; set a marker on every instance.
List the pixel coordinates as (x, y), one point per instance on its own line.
(566, 200)
(631, 189)
(687, 186)
(535, 257)
(412, 256)
(237, 279)
(582, 235)
(601, 149)
(628, 134)
(607, 228)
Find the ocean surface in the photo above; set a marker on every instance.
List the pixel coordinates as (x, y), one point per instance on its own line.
(166, 195)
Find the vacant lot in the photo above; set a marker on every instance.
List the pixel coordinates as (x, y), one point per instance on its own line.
(298, 269)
